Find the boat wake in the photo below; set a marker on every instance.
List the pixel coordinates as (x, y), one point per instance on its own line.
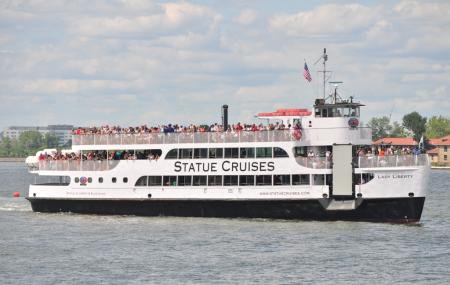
(9, 204)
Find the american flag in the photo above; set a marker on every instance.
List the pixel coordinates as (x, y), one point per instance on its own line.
(306, 73)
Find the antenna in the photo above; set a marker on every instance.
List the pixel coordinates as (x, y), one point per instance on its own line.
(335, 95)
(324, 57)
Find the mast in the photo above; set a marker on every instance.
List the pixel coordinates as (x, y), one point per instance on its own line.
(324, 57)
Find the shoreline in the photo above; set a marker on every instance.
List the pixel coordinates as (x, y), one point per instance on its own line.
(12, 159)
(440, 167)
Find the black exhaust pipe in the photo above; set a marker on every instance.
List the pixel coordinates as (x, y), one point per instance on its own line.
(225, 117)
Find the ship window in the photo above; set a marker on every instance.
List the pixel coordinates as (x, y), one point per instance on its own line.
(361, 178)
(125, 180)
(216, 153)
(200, 153)
(317, 112)
(300, 179)
(318, 179)
(114, 180)
(89, 179)
(172, 154)
(154, 181)
(247, 152)
(325, 113)
(185, 153)
(142, 181)
(148, 153)
(232, 152)
(184, 180)
(246, 180)
(263, 180)
(100, 180)
(300, 151)
(279, 152)
(77, 180)
(230, 180)
(214, 180)
(263, 152)
(199, 180)
(170, 181)
(282, 179)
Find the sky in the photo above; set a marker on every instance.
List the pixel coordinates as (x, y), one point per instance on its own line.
(128, 63)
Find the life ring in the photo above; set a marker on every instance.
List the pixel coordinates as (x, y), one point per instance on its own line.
(297, 135)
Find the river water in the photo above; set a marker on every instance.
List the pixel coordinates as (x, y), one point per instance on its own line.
(67, 248)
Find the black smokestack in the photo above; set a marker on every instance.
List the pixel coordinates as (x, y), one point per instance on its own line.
(225, 117)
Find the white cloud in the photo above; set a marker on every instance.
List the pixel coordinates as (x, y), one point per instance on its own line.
(171, 17)
(179, 62)
(437, 12)
(70, 86)
(326, 20)
(247, 17)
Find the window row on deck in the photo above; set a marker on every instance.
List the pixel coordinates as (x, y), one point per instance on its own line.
(230, 152)
(229, 180)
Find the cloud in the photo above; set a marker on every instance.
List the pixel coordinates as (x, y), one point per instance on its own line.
(70, 86)
(171, 17)
(136, 61)
(247, 17)
(326, 20)
(437, 12)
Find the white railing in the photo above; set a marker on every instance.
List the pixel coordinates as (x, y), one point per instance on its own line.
(367, 161)
(178, 138)
(223, 137)
(391, 161)
(314, 162)
(74, 165)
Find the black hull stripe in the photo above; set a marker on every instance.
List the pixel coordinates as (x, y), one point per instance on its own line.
(400, 210)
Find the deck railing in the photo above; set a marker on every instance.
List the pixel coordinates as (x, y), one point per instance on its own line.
(391, 161)
(74, 165)
(179, 138)
(367, 161)
(218, 137)
(314, 162)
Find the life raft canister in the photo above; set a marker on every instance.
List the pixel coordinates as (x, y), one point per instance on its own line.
(353, 122)
(297, 135)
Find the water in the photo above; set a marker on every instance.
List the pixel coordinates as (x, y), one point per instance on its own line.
(87, 249)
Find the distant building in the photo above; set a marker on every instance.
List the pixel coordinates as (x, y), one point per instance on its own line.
(441, 153)
(401, 142)
(62, 132)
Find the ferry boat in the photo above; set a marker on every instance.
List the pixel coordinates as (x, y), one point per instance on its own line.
(246, 174)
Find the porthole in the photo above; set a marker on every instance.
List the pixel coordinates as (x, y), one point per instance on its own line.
(100, 180)
(125, 180)
(114, 180)
(77, 179)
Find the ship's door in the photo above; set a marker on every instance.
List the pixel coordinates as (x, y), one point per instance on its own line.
(342, 171)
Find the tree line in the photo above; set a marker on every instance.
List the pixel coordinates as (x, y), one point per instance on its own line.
(413, 125)
(27, 144)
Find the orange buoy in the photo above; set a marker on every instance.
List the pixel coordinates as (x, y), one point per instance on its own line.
(16, 194)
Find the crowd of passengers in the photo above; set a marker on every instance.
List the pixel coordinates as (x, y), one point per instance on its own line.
(144, 129)
(388, 151)
(98, 155)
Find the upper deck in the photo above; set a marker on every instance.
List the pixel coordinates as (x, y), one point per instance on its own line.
(309, 136)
